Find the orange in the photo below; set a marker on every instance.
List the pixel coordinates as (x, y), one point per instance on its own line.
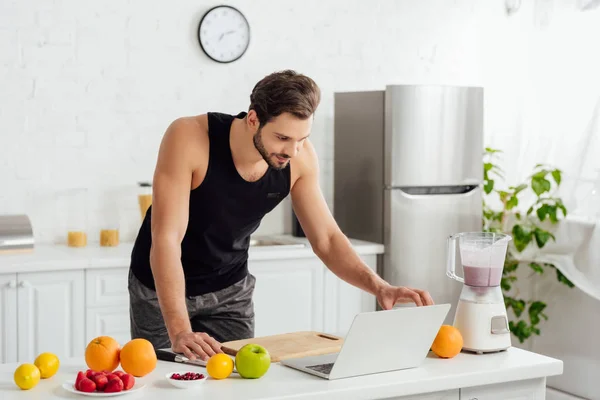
(219, 366)
(138, 357)
(102, 353)
(448, 342)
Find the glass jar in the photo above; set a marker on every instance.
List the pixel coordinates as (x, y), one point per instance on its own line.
(144, 197)
(109, 226)
(73, 205)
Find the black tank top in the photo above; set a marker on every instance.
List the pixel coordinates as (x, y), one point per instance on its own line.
(224, 210)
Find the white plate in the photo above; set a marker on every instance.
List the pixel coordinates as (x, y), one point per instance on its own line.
(70, 387)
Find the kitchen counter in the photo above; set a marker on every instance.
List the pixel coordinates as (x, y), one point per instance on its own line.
(61, 257)
(512, 374)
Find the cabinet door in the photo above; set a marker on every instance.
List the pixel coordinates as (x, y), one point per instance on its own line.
(107, 287)
(288, 296)
(108, 321)
(530, 389)
(51, 314)
(343, 301)
(8, 318)
(107, 304)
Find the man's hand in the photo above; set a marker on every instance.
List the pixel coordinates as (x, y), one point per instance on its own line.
(193, 344)
(389, 295)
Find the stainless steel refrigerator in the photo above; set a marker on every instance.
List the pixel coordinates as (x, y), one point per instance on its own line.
(408, 173)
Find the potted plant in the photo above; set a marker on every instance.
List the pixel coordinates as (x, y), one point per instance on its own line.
(527, 211)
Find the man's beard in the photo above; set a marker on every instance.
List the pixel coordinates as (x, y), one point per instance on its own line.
(273, 163)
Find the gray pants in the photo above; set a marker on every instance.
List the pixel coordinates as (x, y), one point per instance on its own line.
(227, 314)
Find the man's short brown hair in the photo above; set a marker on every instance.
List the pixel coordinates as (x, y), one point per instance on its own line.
(284, 91)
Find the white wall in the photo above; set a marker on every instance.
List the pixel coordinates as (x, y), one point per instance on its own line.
(87, 88)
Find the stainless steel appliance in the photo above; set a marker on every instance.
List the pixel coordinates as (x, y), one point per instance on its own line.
(16, 234)
(408, 173)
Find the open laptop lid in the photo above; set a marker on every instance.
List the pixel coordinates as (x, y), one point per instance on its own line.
(389, 340)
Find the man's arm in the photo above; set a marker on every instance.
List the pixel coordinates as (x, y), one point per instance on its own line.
(170, 205)
(332, 246)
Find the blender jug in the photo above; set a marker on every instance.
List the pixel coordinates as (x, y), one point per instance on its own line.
(482, 257)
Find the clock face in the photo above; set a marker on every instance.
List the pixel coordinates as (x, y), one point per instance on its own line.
(224, 34)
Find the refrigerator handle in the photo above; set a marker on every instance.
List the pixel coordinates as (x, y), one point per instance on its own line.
(423, 191)
(451, 258)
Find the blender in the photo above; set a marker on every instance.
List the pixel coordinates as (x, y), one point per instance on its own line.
(480, 313)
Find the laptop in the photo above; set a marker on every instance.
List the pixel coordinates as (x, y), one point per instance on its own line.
(379, 341)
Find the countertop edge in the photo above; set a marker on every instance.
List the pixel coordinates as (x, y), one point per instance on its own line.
(47, 257)
(552, 367)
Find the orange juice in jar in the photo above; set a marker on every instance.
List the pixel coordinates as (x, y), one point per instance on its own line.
(109, 237)
(76, 239)
(73, 202)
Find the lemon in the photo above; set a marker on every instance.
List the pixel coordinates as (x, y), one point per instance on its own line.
(48, 364)
(27, 376)
(219, 366)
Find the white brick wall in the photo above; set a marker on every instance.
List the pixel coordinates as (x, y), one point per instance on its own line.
(87, 88)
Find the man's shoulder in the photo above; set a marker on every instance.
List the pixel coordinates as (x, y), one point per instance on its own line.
(187, 135)
(306, 163)
(188, 123)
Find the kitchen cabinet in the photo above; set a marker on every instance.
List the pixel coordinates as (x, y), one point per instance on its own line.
(8, 318)
(107, 304)
(343, 301)
(445, 395)
(51, 305)
(50, 313)
(288, 295)
(528, 389)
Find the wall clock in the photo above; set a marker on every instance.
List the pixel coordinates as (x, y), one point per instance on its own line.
(224, 34)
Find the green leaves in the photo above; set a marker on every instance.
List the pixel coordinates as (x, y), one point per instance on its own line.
(525, 229)
(521, 329)
(535, 312)
(521, 237)
(518, 306)
(540, 185)
(542, 237)
(556, 174)
(563, 279)
(539, 181)
(536, 267)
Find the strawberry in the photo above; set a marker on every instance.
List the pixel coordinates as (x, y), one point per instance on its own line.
(90, 373)
(111, 376)
(119, 373)
(87, 385)
(101, 380)
(128, 381)
(80, 376)
(114, 385)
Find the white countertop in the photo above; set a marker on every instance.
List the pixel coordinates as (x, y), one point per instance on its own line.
(281, 382)
(62, 257)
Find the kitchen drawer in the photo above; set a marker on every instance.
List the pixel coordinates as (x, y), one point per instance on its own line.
(528, 389)
(107, 287)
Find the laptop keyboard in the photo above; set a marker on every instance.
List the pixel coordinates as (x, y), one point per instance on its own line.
(322, 368)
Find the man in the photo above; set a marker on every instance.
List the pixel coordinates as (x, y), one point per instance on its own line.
(216, 176)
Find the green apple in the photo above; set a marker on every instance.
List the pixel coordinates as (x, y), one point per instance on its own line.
(252, 361)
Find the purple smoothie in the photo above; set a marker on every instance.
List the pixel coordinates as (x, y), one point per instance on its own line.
(480, 276)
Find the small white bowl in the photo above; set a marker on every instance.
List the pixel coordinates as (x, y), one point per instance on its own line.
(186, 384)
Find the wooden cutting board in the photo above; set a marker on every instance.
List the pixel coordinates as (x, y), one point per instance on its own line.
(290, 345)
